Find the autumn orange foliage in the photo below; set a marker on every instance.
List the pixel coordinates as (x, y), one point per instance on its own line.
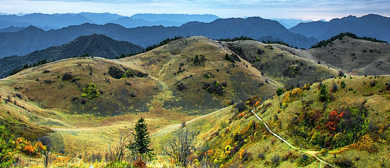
(139, 163)
(257, 103)
(363, 143)
(334, 119)
(209, 153)
(242, 152)
(241, 115)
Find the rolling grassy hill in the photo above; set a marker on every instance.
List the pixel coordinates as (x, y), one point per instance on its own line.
(355, 56)
(170, 84)
(281, 64)
(342, 120)
(360, 136)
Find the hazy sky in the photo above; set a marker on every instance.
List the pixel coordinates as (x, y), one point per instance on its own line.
(299, 9)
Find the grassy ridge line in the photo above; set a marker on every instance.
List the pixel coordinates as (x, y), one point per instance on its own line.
(312, 153)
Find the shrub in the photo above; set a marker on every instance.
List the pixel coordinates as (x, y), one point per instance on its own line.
(303, 160)
(91, 91)
(333, 120)
(139, 163)
(275, 160)
(317, 139)
(343, 85)
(67, 76)
(84, 95)
(115, 72)
(240, 106)
(129, 73)
(181, 86)
(208, 75)
(142, 75)
(373, 83)
(341, 73)
(7, 148)
(223, 124)
(344, 162)
(335, 88)
(279, 91)
(261, 156)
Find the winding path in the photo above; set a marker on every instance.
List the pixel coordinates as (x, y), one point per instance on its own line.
(311, 153)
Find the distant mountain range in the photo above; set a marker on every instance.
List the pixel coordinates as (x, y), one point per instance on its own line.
(11, 29)
(289, 23)
(19, 41)
(32, 38)
(94, 45)
(57, 21)
(371, 25)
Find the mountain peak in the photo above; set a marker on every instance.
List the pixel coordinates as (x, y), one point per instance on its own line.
(32, 28)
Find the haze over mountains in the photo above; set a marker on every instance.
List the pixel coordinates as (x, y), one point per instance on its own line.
(371, 25)
(18, 41)
(57, 21)
(32, 38)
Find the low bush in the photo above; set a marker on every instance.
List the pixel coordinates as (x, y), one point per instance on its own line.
(115, 72)
(261, 156)
(181, 86)
(7, 149)
(373, 83)
(275, 160)
(335, 88)
(344, 162)
(90, 91)
(279, 91)
(240, 106)
(67, 76)
(303, 160)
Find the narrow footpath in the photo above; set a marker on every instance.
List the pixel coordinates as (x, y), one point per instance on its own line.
(311, 153)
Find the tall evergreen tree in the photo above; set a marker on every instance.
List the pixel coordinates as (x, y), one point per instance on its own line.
(142, 139)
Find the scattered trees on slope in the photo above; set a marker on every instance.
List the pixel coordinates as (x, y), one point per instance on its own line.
(166, 41)
(340, 36)
(16, 70)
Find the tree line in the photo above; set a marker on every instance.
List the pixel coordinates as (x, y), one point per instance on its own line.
(340, 36)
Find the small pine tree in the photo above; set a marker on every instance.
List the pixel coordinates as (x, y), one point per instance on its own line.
(279, 91)
(142, 140)
(324, 93)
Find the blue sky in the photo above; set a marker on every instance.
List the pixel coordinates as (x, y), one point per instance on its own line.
(298, 9)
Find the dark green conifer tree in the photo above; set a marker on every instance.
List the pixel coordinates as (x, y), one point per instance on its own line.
(142, 139)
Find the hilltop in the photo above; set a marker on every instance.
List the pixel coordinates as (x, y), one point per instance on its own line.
(281, 64)
(355, 56)
(96, 45)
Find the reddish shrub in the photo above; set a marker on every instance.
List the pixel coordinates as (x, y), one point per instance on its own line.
(334, 119)
(139, 163)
